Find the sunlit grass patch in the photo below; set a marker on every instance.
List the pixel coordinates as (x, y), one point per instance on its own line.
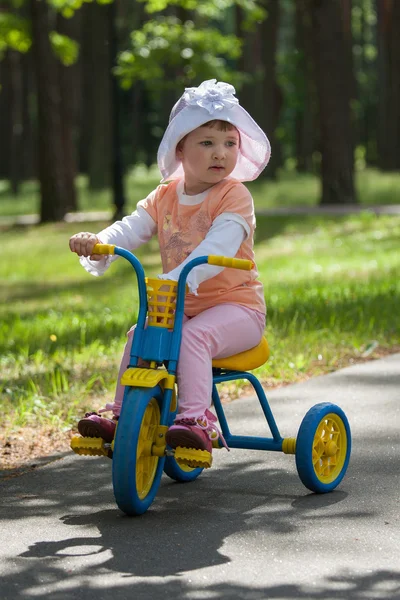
(292, 189)
(332, 290)
(331, 285)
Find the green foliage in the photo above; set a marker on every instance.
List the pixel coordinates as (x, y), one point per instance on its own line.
(165, 44)
(14, 33)
(189, 51)
(68, 7)
(214, 9)
(65, 48)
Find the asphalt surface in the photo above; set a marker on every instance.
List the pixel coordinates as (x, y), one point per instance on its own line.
(246, 529)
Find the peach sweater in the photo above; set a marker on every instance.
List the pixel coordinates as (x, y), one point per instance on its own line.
(181, 228)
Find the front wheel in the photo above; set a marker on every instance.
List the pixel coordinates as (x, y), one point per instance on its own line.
(323, 447)
(136, 471)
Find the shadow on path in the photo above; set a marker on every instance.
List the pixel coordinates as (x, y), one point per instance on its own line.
(182, 532)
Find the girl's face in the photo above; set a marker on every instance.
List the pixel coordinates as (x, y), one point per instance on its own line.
(208, 155)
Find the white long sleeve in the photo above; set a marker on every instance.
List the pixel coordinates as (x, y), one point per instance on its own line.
(224, 238)
(130, 233)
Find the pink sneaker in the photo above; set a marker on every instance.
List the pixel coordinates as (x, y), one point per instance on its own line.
(93, 425)
(195, 433)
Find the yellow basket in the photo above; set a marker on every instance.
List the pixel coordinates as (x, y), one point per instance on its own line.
(161, 305)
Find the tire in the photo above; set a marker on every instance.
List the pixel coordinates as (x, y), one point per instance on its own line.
(323, 448)
(136, 473)
(178, 473)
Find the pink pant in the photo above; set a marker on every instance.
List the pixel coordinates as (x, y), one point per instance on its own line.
(218, 332)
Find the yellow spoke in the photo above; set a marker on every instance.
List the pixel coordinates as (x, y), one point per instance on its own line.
(146, 464)
(330, 433)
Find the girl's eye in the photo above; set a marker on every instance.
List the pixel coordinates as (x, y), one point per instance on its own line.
(230, 144)
(206, 143)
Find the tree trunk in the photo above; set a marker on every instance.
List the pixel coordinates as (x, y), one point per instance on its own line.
(270, 92)
(5, 125)
(262, 97)
(332, 79)
(248, 62)
(116, 119)
(29, 160)
(306, 115)
(52, 174)
(69, 92)
(389, 84)
(367, 70)
(97, 114)
(16, 109)
(136, 128)
(16, 147)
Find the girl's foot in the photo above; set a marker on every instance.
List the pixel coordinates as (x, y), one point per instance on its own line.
(196, 433)
(93, 425)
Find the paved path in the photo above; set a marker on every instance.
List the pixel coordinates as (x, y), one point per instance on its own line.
(246, 529)
(332, 210)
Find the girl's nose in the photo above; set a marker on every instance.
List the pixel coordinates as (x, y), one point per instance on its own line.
(219, 152)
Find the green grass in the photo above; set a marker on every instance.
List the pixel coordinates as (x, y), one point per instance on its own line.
(373, 188)
(138, 183)
(332, 288)
(291, 189)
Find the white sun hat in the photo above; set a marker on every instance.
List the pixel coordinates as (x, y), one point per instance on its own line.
(197, 106)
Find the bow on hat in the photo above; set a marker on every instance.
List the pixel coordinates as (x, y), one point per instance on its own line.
(211, 96)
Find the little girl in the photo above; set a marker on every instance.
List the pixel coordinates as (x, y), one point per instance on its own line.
(210, 145)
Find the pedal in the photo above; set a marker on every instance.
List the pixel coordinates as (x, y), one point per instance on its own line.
(89, 446)
(193, 458)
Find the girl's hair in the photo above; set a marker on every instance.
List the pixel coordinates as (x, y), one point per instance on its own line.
(217, 123)
(220, 125)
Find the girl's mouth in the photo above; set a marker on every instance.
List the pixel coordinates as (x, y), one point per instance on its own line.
(217, 168)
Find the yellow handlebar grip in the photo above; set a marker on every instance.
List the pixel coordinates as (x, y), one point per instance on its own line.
(235, 263)
(103, 249)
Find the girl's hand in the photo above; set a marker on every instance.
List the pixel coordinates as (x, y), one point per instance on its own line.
(83, 243)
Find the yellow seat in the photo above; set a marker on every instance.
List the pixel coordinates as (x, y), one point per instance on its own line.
(245, 361)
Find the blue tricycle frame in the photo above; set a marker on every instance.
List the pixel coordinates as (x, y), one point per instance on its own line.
(139, 451)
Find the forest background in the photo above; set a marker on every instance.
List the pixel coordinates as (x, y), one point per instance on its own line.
(86, 87)
(86, 90)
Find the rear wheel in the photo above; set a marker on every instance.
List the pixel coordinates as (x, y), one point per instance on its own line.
(136, 471)
(323, 447)
(181, 473)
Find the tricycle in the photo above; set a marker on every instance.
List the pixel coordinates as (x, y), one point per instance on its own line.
(139, 450)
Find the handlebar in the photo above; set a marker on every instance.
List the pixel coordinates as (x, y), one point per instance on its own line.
(234, 263)
(104, 249)
(221, 261)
